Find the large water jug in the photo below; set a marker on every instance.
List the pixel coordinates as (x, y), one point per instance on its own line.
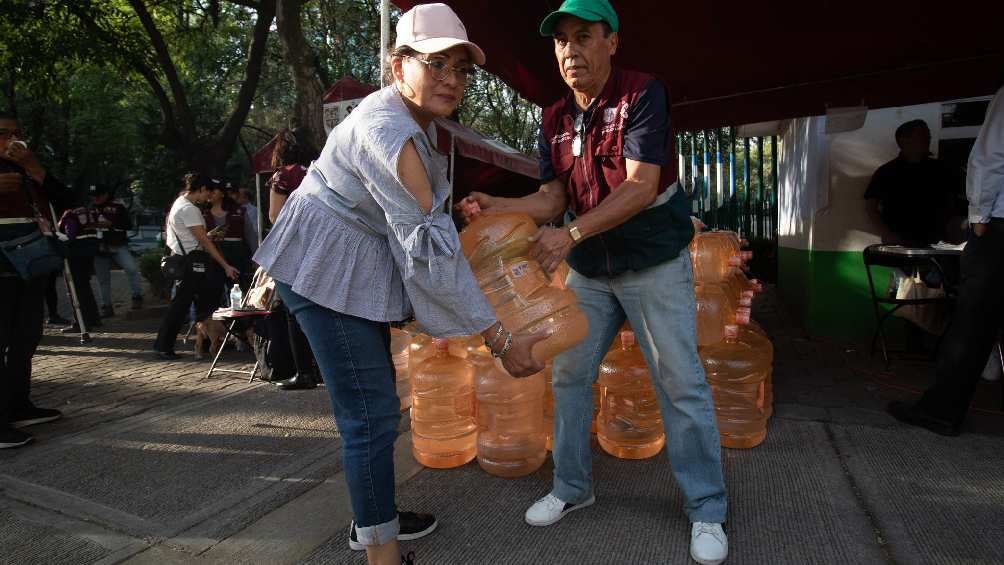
(737, 372)
(630, 423)
(466, 346)
(516, 287)
(741, 290)
(443, 425)
(757, 338)
(400, 348)
(715, 310)
(511, 437)
(421, 348)
(715, 255)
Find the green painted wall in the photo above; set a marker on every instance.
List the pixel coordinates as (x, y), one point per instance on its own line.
(828, 291)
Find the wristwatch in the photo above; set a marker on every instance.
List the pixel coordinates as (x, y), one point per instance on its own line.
(575, 233)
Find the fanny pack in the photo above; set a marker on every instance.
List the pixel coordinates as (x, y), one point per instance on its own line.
(35, 254)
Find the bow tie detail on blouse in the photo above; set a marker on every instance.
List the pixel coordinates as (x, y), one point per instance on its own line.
(426, 238)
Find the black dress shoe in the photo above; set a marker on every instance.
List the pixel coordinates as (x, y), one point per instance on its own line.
(297, 382)
(915, 416)
(11, 437)
(31, 415)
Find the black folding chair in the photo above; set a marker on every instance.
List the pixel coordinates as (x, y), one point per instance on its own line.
(910, 260)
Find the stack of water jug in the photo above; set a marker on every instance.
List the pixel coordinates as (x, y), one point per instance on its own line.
(464, 405)
(736, 353)
(463, 402)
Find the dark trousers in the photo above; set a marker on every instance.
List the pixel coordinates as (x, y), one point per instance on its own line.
(20, 332)
(204, 289)
(82, 269)
(288, 349)
(974, 327)
(51, 298)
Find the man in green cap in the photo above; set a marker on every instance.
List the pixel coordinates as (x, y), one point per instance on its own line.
(607, 159)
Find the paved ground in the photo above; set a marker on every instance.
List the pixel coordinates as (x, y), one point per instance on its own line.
(155, 464)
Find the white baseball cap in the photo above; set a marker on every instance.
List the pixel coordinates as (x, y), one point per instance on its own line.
(431, 28)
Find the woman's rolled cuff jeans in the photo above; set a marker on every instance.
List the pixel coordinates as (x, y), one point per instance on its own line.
(353, 355)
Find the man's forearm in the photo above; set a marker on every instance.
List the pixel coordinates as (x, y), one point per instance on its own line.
(623, 204)
(543, 206)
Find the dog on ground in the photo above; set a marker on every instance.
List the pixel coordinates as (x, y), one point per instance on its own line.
(212, 330)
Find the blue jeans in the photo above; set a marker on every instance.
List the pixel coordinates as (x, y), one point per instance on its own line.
(659, 302)
(103, 270)
(355, 361)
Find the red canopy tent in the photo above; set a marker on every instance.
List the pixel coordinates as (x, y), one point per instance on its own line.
(261, 160)
(482, 163)
(347, 88)
(730, 63)
(476, 161)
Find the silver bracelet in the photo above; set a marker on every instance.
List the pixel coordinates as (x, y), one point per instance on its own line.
(505, 348)
(490, 343)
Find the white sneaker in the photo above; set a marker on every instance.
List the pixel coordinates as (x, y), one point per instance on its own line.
(708, 543)
(550, 509)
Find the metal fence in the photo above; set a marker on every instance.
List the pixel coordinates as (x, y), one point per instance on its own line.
(733, 184)
(732, 181)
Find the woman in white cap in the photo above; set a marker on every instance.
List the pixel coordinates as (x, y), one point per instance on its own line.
(364, 241)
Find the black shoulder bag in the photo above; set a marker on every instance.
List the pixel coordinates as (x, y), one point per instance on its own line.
(174, 267)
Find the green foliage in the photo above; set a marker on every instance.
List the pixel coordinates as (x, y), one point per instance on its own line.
(491, 107)
(79, 76)
(149, 267)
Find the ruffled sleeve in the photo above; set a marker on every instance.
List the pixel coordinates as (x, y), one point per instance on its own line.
(443, 291)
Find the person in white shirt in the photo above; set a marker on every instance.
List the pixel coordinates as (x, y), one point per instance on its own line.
(976, 322)
(186, 235)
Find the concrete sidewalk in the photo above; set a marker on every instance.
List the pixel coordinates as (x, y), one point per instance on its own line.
(155, 464)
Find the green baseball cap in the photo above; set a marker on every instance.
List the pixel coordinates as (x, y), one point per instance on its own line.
(589, 10)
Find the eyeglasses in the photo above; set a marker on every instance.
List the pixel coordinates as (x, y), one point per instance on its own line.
(441, 70)
(4, 132)
(580, 133)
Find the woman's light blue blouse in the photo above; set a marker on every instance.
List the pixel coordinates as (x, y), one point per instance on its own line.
(353, 239)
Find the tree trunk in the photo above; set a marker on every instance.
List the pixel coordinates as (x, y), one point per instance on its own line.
(308, 108)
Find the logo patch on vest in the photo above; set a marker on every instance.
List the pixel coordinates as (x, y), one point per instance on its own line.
(561, 138)
(613, 118)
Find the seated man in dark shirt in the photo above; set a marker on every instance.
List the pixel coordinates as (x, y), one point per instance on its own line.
(914, 195)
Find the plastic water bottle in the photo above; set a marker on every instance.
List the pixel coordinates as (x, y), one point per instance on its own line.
(236, 297)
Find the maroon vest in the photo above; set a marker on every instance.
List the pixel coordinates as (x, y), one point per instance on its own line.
(14, 203)
(235, 223)
(602, 167)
